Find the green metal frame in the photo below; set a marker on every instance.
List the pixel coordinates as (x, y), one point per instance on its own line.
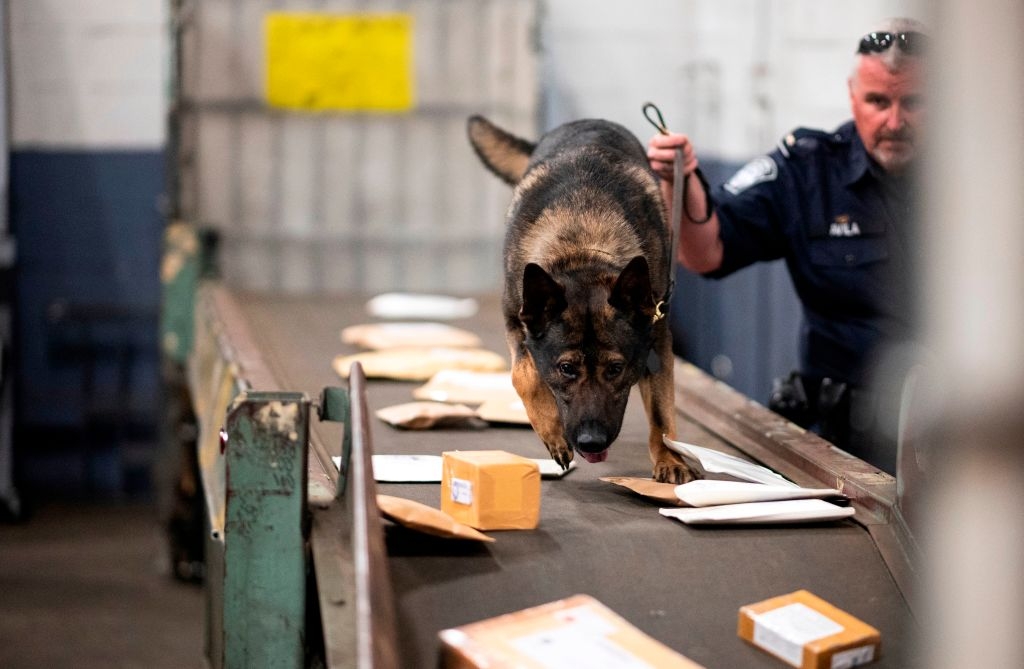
(189, 254)
(296, 567)
(336, 407)
(265, 530)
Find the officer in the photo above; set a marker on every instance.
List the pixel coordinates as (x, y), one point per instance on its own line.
(837, 206)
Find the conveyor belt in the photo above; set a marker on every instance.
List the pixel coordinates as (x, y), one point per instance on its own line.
(682, 585)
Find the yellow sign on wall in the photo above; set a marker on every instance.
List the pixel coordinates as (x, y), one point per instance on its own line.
(330, 62)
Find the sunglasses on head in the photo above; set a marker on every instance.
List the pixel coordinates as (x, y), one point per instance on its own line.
(909, 42)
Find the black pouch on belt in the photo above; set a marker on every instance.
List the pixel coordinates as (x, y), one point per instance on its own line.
(820, 405)
(834, 411)
(789, 399)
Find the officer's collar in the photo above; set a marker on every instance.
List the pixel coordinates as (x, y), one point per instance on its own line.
(859, 163)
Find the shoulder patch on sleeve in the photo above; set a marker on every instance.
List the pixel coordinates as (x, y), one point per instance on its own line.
(758, 170)
(803, 141)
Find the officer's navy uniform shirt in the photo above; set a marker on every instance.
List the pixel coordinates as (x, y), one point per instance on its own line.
(822, 204)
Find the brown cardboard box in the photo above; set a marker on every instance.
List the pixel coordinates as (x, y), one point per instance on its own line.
(490, 490)
(575, 632)
(807, 632)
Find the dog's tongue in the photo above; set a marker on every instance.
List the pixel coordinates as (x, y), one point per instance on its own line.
(595, 457)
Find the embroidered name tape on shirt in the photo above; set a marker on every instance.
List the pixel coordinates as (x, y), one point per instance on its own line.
(842, 226)
(757, 171)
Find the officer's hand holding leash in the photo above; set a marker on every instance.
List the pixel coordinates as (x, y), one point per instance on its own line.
(661, 154)
(673, 159)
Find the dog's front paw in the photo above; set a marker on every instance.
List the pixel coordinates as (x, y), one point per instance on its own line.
(672, 471)
(560, 453)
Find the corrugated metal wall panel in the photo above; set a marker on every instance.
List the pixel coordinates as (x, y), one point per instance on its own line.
(354, 202)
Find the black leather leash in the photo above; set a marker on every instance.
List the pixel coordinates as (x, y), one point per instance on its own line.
(679, 192)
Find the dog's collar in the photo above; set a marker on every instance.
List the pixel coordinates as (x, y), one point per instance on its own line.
(660, 311)
(661, 308)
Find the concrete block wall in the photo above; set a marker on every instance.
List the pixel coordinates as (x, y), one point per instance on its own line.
(88, 74)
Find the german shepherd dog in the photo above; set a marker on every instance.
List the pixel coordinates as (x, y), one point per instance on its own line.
(586, 280)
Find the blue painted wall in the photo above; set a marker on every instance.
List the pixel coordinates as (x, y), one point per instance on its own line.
(748, 321)
(88, 230)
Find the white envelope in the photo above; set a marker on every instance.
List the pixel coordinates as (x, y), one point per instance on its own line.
(415, 305)
(787, 511)
(710, 464)
(549, 469)
(428, 469)
(407, 468)
(710, 493)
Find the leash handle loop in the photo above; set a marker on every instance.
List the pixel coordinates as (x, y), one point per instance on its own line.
(658, 122)
(680, 183)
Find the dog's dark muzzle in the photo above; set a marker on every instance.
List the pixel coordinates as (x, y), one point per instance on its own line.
(592, 440)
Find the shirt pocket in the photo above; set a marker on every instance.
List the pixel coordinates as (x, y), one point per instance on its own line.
(852, 253)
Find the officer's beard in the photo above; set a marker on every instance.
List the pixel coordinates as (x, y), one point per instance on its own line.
(895, 150)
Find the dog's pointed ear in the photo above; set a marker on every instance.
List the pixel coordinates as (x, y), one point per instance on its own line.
(543, 299)
(502, 152)
(631, 293)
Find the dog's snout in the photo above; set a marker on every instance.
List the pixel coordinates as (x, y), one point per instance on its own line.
(592, 437)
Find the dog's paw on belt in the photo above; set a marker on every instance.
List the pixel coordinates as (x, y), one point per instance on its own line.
(672, 472)
(561, 454)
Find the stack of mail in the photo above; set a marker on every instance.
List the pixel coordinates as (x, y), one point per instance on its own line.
(733, 490)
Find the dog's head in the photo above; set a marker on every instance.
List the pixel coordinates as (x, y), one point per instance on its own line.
(590, 342)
